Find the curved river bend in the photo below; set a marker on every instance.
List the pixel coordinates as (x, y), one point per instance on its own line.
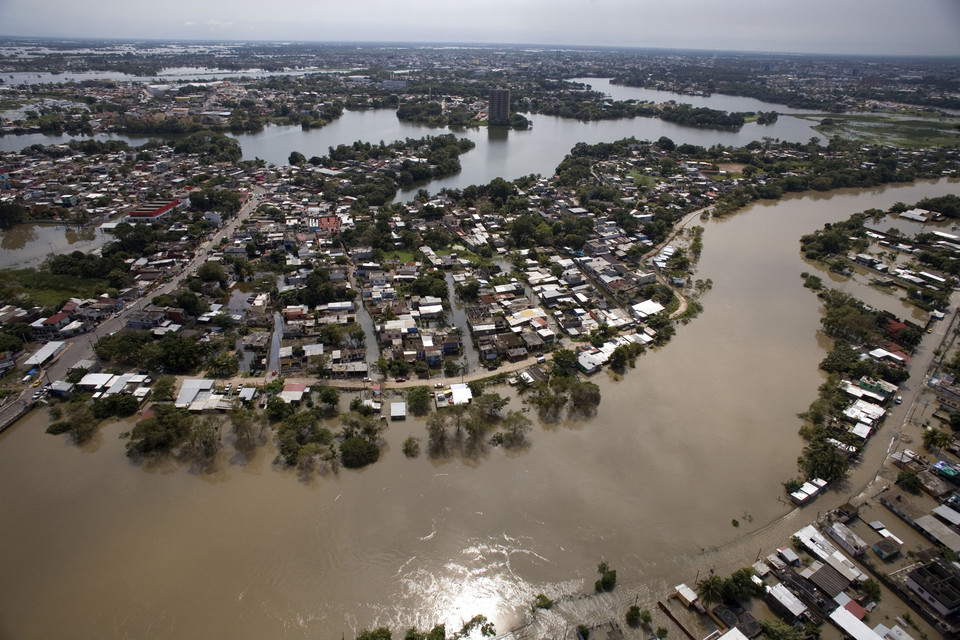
(701, 432)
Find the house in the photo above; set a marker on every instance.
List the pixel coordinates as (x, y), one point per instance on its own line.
(50, 327)
(784, 603)
(6, 360)
(938, 584)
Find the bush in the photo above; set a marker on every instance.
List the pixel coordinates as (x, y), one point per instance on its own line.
(411, 447)
(909, 481)
(356, 452)
(542, 602)
(608, 578)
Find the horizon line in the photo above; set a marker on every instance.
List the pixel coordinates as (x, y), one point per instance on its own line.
(475, 45)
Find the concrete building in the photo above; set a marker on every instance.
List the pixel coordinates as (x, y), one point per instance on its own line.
(938, 584)
(498, 109)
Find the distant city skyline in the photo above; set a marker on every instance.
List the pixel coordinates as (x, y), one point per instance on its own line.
(865, 27)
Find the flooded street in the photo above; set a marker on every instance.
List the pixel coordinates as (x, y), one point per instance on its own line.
(702, 432)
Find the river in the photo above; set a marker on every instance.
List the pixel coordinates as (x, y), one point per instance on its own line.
(702, 432)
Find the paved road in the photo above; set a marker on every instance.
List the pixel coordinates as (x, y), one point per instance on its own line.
(81, 347)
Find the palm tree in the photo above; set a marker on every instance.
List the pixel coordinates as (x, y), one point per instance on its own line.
(936, 439)
(710, 589)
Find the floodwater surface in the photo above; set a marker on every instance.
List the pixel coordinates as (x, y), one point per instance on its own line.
(700, 433)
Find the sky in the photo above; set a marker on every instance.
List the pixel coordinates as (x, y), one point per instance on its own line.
(874, 27)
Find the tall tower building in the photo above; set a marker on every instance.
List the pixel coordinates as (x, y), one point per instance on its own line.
(498, 110)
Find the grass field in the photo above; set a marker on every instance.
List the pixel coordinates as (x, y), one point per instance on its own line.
(643, 179)
(48, 290)
(900, 131)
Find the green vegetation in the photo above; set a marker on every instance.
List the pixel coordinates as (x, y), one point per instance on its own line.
(168, 431)
(737, 588)
(472, 424)
(702, 117)
(81, 423)
(542, 602)
(608, 578)
(418, 400)
(356, 452)
(411, 447)
(580, 398)
(872, 588)
(891, 130)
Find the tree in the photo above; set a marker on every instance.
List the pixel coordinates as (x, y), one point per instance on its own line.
(872, 588)
(277, 409)
(515, 426)
(380, 633)
(411, 447)
(296, 158)
(584, 398)
(437, 425)
(780, 630)
(564, 362)
(488, 406)
(633, 615)
(710, 589)
(542, 602)
(163, 388)
(212, 272)
(821, 459)
(242, 423)
(223, 365)
(418, 400)
(160, 434)
(203, 442)
(908, 480)
(451, 368)
(618, 359)
(81, 423)
(608, 578)
(330, 396)
(357, 452)
(936, 439)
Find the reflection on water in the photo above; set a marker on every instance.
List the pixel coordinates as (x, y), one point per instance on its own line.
(27, 245)
(17, 237)
(73, 236)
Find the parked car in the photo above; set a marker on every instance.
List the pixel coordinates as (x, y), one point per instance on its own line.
(898, 400)
(401, 379)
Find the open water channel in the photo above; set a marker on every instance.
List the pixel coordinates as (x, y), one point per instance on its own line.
(701, 432)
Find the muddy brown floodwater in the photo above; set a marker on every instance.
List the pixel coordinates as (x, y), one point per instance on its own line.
(700, 433)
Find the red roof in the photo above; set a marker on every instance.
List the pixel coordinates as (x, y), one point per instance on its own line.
(855, 609)
(294, 386)
(56, 318)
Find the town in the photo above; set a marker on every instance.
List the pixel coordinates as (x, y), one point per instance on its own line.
(241, 305)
